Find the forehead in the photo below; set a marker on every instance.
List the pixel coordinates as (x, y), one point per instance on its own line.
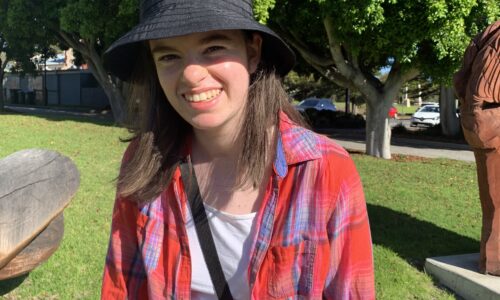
(199, 38)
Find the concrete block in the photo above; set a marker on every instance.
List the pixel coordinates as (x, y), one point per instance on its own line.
(460, 274)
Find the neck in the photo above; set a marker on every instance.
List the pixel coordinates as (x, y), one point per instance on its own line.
(208, 146)
(215, 159)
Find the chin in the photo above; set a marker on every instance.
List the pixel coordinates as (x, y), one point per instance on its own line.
(212, 123)
(206, 123)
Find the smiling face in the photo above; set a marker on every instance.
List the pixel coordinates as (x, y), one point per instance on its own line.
(205, 76)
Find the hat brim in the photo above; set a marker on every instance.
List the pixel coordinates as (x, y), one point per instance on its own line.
(119, 56)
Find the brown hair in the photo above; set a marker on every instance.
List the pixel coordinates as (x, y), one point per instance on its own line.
(159, 132)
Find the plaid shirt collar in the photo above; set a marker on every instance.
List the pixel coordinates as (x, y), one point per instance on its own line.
(295, 145)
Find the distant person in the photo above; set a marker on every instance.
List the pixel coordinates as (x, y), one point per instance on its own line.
(477, 85)
(275, 211)
(393, 112)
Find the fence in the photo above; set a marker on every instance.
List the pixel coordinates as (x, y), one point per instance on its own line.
(72, 88)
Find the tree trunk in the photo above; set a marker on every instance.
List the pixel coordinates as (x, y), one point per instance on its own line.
(112, 89)
(2, 101)
(378, 132)
(449, 121)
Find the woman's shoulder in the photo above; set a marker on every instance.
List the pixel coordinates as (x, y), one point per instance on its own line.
(301, 141)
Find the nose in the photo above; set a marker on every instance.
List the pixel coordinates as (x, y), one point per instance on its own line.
(194, 73)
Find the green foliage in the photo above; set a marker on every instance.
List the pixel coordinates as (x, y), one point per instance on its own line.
(261, 10)
(428, 34)
(97, 23)
(16, 43)
(103, 21)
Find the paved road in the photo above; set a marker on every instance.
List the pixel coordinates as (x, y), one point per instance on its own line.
(416, 147)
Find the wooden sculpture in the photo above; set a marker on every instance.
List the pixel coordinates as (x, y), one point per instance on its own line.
(477, 85)
(35, 187)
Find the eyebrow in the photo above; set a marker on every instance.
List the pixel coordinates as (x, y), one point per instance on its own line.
(216, 37)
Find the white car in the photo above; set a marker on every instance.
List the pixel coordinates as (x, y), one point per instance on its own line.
(426, 115)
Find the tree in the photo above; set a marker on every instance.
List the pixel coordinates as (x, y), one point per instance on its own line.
(13, 48)
(87, 26)
(448, 112)
(348, 42)
(3, 63)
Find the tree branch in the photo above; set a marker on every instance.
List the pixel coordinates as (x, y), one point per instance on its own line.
(353, 74)
(324, 66)
(336, 51)
(396, 76)
(332, 75)
(305, 52)
(73, 42)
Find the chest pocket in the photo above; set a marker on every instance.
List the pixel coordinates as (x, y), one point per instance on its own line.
(292, 271)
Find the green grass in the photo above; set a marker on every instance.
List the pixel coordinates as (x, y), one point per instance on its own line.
(417, 208)
(406, 110)
(74, 271)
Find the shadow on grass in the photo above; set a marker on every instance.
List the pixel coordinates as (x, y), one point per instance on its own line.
(59, 116)
(8, 285)
(414, 240)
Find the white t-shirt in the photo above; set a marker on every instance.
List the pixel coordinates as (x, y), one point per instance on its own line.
(232, 238)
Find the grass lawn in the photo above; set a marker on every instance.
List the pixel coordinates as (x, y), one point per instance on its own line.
(417, 207)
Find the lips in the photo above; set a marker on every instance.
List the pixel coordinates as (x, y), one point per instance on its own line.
(203, 96)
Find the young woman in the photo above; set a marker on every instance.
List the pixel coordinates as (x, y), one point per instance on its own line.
(222, 193)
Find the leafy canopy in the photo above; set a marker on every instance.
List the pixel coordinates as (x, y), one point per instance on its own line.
(96, 22)
(103, 21)
(430, 35)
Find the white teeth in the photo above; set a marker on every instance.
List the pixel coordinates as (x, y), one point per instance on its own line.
(205, 96)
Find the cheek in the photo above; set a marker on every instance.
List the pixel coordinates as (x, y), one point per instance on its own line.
(237, 73)
(166, 82)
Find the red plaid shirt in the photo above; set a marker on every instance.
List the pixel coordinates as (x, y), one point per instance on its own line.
(313, 237)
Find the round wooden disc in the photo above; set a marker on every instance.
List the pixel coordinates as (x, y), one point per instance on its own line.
(35, 187)
(37, 251)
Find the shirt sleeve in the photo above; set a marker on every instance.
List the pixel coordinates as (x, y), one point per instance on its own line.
(124, 275)
(351, 274)
(121, 259)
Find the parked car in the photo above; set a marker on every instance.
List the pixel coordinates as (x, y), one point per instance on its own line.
(426, 115)
(316, 103)
(428, 103)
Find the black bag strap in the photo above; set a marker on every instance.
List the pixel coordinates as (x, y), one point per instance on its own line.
(203, 230)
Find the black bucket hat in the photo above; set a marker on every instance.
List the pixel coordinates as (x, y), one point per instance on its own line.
(170, 18)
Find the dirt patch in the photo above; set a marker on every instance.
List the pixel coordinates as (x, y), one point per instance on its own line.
(409, 158)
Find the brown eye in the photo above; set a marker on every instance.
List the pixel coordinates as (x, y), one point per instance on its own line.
(213, 49)
(168, 57)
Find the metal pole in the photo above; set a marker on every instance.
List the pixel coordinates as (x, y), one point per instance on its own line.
(347, 101)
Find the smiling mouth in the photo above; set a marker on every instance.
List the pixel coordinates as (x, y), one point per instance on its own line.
(205, 96)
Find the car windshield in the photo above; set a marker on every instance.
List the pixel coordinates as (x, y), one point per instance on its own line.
(430, 109)
(309, 103)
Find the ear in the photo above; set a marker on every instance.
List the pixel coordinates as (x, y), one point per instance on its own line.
(254, 47)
